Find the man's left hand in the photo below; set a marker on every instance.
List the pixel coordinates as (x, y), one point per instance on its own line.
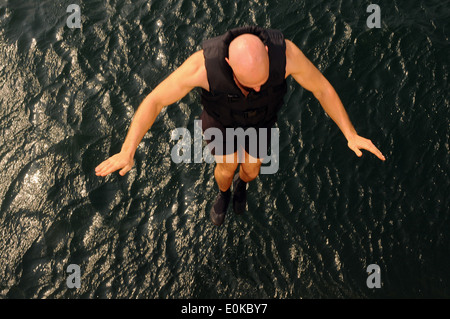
(357, 143)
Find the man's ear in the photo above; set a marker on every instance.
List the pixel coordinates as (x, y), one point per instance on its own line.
(228, 61)
(267, 48)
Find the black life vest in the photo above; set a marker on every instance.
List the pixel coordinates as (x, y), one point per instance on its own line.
(225, 101)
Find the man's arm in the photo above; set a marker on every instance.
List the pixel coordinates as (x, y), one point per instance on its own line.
(189, 75)
(309, 77)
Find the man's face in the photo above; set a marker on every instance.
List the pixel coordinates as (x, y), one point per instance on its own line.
(256, 86)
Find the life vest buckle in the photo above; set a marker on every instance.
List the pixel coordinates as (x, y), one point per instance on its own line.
(249, 114)
(233, 98)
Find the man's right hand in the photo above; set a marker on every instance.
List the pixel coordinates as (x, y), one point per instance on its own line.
(121, 161)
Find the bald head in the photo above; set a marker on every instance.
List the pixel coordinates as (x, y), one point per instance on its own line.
(249, 59)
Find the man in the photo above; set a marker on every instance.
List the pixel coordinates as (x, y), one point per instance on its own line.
(242, 75)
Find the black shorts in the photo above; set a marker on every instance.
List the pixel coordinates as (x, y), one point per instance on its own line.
(256, 147)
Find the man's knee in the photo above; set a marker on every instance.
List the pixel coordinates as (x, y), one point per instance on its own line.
(250, 172)
(227, 170)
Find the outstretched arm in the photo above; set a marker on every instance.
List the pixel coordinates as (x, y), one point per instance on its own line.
(309, 77)
(188, 76)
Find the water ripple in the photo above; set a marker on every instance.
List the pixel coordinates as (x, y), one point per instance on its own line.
(67, 98)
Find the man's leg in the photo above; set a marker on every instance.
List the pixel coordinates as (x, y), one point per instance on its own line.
(250, 168)
(248, 171)
(225, 167)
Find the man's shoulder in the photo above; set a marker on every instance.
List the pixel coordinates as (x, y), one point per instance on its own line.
(294, 58)
(196, 64)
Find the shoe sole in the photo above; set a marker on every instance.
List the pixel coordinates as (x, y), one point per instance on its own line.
(212, 212)
(235, 180)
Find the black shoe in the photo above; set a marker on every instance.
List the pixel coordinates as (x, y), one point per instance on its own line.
(240, 195)
(220, 207)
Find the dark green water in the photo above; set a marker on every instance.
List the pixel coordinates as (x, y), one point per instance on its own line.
(67, 97)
